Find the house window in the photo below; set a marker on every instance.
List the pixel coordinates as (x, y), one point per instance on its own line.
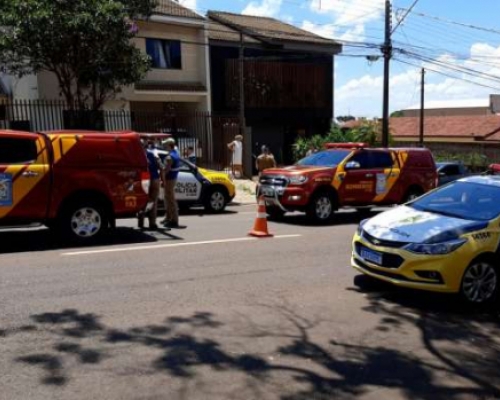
(165, 54)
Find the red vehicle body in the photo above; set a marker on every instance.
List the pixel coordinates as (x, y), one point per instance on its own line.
(75, 182)
(348, 174)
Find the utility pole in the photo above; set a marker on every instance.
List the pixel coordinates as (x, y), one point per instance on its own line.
(242, 85)
(422, 109)
(387, 51)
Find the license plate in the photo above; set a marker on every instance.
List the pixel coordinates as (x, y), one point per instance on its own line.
(372, 256)
(266, 191)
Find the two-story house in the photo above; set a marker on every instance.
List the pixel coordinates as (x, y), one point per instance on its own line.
(288, 78)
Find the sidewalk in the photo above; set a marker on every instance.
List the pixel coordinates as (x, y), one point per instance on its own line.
(245, 191)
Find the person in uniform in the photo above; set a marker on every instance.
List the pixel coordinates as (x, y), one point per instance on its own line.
(172, 164)
(154, 187)
(265, 160)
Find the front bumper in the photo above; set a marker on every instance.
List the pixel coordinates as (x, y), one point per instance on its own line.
(406, 269)
(289, 198)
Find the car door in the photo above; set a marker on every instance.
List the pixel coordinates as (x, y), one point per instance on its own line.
(188, 187)
(358, 186)
(24, 178)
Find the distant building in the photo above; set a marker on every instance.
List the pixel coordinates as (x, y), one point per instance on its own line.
(453, 108)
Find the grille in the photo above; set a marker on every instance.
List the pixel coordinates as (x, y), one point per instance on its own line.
(392, 261)
(381, 273)
(383, 243)
(279, 181)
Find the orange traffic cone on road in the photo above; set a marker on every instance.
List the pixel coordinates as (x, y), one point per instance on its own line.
(260, 227)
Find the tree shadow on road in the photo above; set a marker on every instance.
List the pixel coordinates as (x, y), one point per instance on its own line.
(297, 365)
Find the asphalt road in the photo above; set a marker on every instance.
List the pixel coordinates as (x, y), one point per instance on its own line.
(208, 313)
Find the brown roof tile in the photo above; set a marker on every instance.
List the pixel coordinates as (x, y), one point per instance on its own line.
(173, 9)
(166, 86)
(485, 127)
(267, 29)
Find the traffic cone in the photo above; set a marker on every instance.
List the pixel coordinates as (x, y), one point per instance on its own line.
(260, 226)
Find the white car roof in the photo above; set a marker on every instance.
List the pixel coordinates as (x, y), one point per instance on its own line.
(493, 180)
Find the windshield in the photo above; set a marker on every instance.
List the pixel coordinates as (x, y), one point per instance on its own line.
(329, 158)
(465, 200)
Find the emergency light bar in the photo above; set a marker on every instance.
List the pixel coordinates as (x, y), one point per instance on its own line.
(348, 145)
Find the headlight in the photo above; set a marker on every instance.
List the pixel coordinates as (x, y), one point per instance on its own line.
(298, 179)
(435, 248)
(360, 226)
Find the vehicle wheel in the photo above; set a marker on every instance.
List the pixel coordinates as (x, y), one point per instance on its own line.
(321, 207)
(480, 282)
(216, 201)
(412, 194)
(275, 213)
(83, 222)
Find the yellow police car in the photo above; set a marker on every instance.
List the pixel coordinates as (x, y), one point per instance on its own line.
(202, 187)
(445, 241)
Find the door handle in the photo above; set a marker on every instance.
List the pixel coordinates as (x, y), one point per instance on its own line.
(369, 175)
(30, 174)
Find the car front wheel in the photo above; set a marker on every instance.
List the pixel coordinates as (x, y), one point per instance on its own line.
(480, 282)
(321, 208)
(216, 201)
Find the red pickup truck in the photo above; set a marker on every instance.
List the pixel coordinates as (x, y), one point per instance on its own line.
(77, 183)
(347, 174)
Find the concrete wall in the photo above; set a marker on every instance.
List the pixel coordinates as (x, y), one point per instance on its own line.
(25, 88)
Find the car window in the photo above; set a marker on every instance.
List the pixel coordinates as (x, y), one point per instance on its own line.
(184, 167)
(450, 170)
(17, 151)
(372, 159)
(464, 200)
(328, 158)
(381, 159)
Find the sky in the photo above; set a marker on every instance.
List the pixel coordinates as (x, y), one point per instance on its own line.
(457, 42)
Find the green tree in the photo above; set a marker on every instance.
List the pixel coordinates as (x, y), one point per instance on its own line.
(397, 114)
(85, 43)
(345, 118)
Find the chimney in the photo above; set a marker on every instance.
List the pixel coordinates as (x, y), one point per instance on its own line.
(495, 103)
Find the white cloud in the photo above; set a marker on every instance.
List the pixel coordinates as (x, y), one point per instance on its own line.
(327, 31)
(189, 4)
(266, 8)
(349, 12)
(362, 97)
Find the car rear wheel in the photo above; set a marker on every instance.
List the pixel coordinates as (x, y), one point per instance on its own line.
(83, 222)
(216, 200)
(412, 194)
(321, 208)
(480, 282)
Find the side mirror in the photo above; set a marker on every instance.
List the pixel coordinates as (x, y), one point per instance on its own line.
(353, 165)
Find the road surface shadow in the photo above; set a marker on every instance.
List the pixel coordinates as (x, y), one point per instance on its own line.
(42, 239)
(295, 366)
(347, 217)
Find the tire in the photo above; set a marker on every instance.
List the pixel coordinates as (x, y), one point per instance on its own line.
(480, 282)
(275, 213)
(412, 194)
(216, 200)
(321, 207)
(83, 221)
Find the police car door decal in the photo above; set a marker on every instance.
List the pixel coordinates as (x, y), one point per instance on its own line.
(187, 187)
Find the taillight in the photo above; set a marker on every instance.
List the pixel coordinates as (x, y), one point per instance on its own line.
(145, 178)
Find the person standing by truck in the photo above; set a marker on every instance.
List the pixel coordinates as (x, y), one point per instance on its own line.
(172, 164)
(265, 160)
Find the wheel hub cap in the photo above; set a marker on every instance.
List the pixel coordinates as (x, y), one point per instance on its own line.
(480, 282)
(217, 201)
(323, 208)
(86, 222)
